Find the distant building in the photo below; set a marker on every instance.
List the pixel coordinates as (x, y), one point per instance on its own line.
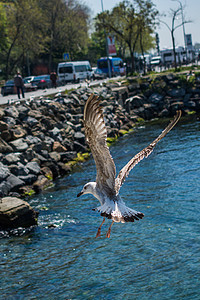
(182, 56)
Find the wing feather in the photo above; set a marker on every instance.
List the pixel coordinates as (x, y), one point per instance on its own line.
(142, 154)
(96, 136)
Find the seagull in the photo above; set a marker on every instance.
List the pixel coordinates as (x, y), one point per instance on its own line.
(107, 185)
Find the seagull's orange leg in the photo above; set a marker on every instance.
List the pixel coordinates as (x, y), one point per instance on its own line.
(99, 229)
(109, 230)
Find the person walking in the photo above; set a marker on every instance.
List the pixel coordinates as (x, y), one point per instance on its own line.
(18, 81)
(53, 78)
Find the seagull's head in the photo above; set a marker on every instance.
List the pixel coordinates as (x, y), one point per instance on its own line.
(89, 188)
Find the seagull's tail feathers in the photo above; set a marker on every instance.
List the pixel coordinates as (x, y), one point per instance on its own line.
(119, 212)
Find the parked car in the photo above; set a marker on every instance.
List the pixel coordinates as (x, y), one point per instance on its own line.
(28, 79)
(98, 74)
(8, 88)
(28, 84)
(42, 81)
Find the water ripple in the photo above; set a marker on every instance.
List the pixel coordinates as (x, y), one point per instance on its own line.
(154, 258)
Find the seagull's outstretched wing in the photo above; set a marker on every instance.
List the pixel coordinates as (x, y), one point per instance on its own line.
(96, 135)
(144, 153)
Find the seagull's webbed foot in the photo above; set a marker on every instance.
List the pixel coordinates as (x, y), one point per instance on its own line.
(99, 229)
(109, 230)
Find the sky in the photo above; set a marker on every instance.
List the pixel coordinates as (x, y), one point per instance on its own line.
(191, 13)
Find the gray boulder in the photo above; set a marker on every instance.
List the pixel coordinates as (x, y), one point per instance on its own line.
(31, 121)
(54, 132)
(4, 147)
(6, 135)
(23, 111)
(28, 179)
(28, 155)
(79, 147)
(11, 158)
(19, 169)
(55, 156)
(155, 98)
(79, 137)
(30, 139)
(177, 92)
(33, 167)
(3, 126)
(19, 145)
(41, 184)
(47, 144)
(36, 114)
(37, 147)
(15, 212)
(1, 113)
(4, 171)
(15, 182)
(10, 121)
(5, 188)
(11, 111)
(17, 132)
(66, 156)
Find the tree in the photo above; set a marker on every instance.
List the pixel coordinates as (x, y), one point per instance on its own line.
(3, 29)
(129, 21)
(175, 16)
(23, 36)
(146, 24)
(96, 47)
(41, 29)
(66, 28)
(53, 13)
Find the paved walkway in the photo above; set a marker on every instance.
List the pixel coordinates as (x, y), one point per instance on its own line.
(45, 92)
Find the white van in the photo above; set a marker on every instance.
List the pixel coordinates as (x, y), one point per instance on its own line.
(74, 71)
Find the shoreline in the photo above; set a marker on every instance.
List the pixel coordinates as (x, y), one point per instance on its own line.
(43, 139)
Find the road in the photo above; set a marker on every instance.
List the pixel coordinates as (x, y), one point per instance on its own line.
(46, 92)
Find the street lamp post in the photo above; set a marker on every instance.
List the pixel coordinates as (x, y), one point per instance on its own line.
(106, 40)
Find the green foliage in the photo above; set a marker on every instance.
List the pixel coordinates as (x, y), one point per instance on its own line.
(3, 28)
(41, 30)
(186, 80)
(22, 35)
(96, 47)
(132, 24)
(197, 74)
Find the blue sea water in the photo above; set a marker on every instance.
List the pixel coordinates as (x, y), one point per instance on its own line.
(157, 257)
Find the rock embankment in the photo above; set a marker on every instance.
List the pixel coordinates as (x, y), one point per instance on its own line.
(42, 139)
(15, 213)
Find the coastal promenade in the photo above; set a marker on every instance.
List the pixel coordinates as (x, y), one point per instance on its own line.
(45, 92)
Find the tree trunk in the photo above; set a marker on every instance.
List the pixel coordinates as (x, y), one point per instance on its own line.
(144, 61)
(132, 60)
(174, 50)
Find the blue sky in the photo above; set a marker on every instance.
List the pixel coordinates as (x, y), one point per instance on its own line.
(191, 12)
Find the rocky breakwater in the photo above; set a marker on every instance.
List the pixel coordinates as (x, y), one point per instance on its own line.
(160, 96)
(43, 139)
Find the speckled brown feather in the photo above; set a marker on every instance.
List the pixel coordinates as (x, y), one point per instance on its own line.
(142, 154)
(96, 135)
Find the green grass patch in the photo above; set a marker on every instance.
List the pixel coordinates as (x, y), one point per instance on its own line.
(140, 120)
(123, 132)
(192, 112)
(111, 140)
(80, 157)
(29, 193)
